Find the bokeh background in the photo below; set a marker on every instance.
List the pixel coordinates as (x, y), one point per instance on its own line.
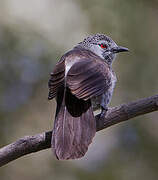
(33, 36)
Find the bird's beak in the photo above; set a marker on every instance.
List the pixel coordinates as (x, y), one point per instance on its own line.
(119, 49)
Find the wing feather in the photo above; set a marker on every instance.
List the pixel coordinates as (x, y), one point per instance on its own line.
(88, 78)
(57, 79)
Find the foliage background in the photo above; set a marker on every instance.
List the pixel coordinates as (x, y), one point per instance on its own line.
(33, 36)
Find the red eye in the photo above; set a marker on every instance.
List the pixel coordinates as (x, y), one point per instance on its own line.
(103, 46)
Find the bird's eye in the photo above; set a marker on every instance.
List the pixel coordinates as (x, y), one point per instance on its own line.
(103, 46)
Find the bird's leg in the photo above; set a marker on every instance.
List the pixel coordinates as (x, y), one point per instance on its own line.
(104, 104)
(103, 112)
(104, 107)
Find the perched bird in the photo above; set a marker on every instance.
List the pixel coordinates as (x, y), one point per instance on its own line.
(82, 77)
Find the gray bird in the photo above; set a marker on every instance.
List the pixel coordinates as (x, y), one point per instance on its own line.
(82, 77)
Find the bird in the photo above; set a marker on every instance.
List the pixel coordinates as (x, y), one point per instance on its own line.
(82, 79)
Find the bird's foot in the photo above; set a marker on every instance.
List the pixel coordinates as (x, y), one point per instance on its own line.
(103, 113)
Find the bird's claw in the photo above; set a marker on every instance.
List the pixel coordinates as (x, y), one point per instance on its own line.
(103, 113)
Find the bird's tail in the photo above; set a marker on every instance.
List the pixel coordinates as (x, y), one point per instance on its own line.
(74, 126)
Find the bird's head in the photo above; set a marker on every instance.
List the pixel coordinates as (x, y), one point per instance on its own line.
(102, 46)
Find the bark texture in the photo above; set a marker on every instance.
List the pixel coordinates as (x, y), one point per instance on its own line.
(115, 115)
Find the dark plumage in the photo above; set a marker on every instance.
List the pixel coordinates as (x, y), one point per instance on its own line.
(79, 78)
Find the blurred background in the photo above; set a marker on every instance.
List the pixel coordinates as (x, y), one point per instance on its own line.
(33, 36)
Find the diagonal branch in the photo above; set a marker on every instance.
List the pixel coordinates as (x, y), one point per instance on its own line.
(115, 115)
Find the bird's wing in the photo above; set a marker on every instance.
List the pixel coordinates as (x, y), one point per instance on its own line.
(88, 78)
(56, 80)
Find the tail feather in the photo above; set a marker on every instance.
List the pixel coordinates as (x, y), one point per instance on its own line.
(74, 127)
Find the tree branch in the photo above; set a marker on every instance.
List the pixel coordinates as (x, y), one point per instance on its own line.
(115, 115)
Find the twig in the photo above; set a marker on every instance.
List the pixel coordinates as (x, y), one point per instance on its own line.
(115, 115)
